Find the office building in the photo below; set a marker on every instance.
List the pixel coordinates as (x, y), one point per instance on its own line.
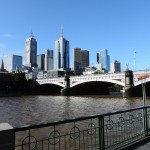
(104, 59)
(85, 58)
(40, 61)
(77, 65)
(49, 60)
(81, 59)
(12, 62)
(62, 54)
(31, 51)
(115, 66)
(97, 58)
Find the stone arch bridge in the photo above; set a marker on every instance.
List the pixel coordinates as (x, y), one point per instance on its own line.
(139, 77)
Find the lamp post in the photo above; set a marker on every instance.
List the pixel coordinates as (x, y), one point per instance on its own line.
(144, 92)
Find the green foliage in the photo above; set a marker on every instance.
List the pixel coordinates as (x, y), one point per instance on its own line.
(99, 72)
(118, 87)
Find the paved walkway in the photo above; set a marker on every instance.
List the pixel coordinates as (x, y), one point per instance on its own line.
(145, 146)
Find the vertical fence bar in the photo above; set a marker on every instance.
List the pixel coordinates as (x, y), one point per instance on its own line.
(101, 133)
(145, 123)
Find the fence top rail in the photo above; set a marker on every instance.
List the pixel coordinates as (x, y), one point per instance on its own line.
(100, 116)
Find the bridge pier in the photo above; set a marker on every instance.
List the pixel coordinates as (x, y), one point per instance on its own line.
(128, 89)
(66, 91)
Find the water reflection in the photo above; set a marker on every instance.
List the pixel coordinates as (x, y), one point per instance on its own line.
(19, 111)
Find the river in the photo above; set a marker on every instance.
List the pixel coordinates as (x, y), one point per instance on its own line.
(27, 110)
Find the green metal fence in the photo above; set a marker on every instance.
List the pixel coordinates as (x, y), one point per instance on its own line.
(99, 132)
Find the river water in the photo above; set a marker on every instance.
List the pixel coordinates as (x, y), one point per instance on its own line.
(27, 110)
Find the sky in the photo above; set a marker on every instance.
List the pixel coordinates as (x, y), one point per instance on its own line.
(121, 26)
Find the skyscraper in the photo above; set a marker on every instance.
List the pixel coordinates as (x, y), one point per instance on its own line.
(11, 62)
(31, 51)
(49, 60)
(81, 59)
(105, 59)
(77, 66)
(115, 66)
(85, 58)
(62, 53)
(41, 61)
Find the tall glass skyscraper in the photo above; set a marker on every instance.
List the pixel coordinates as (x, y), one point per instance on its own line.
(31, 51)
(61, 60)
(49, 60)
(104, 59)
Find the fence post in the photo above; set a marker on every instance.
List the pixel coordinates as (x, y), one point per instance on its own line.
(101, 133)
(7, 138)
(145, 121)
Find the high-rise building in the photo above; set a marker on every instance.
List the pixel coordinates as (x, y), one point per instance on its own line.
(49, 60)
(12, 62)
(40, 61)
(104, 59)
(81, 59)
(115, 66)
(31, 51)
(62, 54)
(77, 66)
(97, 58)
(85, 58)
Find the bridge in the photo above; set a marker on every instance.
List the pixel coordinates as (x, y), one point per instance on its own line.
(139, 77)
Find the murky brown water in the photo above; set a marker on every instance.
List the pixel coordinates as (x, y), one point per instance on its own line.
(20, 111)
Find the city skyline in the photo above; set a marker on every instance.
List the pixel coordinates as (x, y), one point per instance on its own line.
(122, 27)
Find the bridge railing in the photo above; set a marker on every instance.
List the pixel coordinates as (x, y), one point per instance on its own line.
(106, 131)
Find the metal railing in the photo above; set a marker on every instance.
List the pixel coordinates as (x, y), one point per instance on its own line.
(107, 131)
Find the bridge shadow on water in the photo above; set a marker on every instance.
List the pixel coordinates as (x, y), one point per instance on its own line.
(89, 88)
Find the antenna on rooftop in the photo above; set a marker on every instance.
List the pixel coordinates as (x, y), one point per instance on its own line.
(62, 31)
(134, 60)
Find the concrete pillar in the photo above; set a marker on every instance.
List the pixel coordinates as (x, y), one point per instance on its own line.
(66, 90)
(129, 86)
(7, 138)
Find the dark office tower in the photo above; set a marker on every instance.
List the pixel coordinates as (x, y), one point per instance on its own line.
(80, 59)
(85, 58)
(40, 61)
(31, 51)
(77, 66)
(97, 58)
(61, 60)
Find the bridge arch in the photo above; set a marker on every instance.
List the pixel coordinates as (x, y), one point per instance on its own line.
(75, 83)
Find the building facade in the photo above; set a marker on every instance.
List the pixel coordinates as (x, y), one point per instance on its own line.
(12, 62)
(115, 66)
(77, 63)
(85, 58)
(80, 59)
(62, 60)
(41, 61)
(49, 60)
(31, 52)
(104, 59)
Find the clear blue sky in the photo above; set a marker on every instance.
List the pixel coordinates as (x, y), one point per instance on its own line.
(121, 26)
